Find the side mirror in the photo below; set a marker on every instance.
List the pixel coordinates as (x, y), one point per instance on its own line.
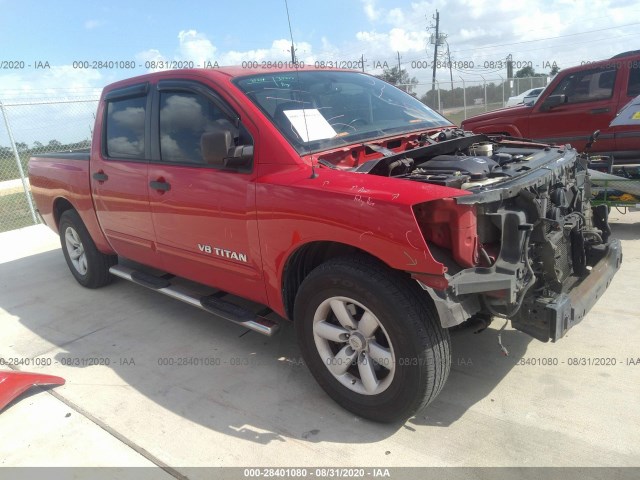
(218, 149)
(240, 156)
(215, 145)
(553, 101)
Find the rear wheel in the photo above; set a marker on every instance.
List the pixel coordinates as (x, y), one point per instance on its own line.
(371, 338)
(89, 266)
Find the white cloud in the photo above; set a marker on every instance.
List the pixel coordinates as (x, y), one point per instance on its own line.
(553, 22)
(375, 39)
(403, 41)
(478, 8)
(396, 16)
(279, 50)
(192, 46)
(195, 46)
(475, 33)
(30, 84)
(370, 10)
(149, 56)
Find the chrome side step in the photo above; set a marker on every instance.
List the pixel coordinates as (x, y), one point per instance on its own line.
(229, 311)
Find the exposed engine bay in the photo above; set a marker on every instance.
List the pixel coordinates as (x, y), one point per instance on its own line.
(537, 235)
(464, 161)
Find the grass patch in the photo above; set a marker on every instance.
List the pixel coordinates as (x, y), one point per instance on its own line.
(14, 212)
(9, 169)
(458, 116)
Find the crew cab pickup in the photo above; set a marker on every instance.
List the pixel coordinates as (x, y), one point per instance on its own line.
(338, 202)
(579, 101)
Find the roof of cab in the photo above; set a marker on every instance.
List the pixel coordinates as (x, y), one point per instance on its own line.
(229, 72)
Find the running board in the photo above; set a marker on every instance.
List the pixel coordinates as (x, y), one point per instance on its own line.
(229, 311)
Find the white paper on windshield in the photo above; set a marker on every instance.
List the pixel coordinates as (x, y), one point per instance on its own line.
(310, 124)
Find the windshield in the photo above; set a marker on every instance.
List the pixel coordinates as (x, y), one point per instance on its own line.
(316, 110)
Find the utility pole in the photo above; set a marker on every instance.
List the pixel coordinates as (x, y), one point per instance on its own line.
(399, 67)
(435, 51)
(293, 55)
(449, 58)
(510, 73)
(362, 62)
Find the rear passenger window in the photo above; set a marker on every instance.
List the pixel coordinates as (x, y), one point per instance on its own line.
(125, 127)
(588, 85)
(633, 89)
(188, 122)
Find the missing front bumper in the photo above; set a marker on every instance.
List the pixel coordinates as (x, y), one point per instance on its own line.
(550, 319)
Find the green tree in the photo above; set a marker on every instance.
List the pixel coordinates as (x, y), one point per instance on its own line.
(399, 78)
(554, 70)
(525, 72)
(5, 152)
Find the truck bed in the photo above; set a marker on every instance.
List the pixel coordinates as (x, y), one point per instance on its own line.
(61, 178)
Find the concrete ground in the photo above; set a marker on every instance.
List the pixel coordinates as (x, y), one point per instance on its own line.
(255, 403)
(8, 187)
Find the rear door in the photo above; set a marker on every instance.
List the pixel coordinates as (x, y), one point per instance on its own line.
(204, 213)
(590, 105)
(119, 173)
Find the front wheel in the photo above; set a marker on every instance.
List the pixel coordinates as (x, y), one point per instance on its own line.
(89, 266)
(371, 338)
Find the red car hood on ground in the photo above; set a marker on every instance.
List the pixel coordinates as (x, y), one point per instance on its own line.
(13, 384)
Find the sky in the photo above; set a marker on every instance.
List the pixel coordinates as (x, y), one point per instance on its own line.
(49, 50)
(480, 35)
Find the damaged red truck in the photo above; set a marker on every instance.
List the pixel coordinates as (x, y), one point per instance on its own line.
(341, 203)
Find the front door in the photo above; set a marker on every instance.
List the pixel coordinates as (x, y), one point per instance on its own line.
(203, 212)
(590, 105)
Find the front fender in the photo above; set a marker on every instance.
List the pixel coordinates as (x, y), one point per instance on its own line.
(371, 213)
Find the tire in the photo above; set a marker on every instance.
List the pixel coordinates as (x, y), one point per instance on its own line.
(89, 266)
(388, 319)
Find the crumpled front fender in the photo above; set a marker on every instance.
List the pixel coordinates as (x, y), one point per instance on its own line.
(13, 384)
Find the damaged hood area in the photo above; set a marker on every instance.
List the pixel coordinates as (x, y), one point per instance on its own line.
(474, 163)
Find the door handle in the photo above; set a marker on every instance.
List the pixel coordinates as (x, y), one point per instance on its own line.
(160, 185)
(600, 110)
(101, 176)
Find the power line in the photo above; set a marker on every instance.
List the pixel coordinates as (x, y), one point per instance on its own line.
(548, 38)
(435, 51)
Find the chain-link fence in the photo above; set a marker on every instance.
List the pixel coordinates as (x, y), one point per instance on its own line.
(460, 99)
(53, 125)
(30, 128)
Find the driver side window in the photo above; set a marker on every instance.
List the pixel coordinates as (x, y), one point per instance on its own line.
(588, 85)
(192, 127)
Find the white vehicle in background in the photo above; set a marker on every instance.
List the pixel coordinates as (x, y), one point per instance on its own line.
(525, 97)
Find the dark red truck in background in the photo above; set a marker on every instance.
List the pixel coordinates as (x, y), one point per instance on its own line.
(579, 101)
(339, 202)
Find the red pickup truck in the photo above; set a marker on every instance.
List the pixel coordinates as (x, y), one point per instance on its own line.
(338, 202)
(577, 102)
